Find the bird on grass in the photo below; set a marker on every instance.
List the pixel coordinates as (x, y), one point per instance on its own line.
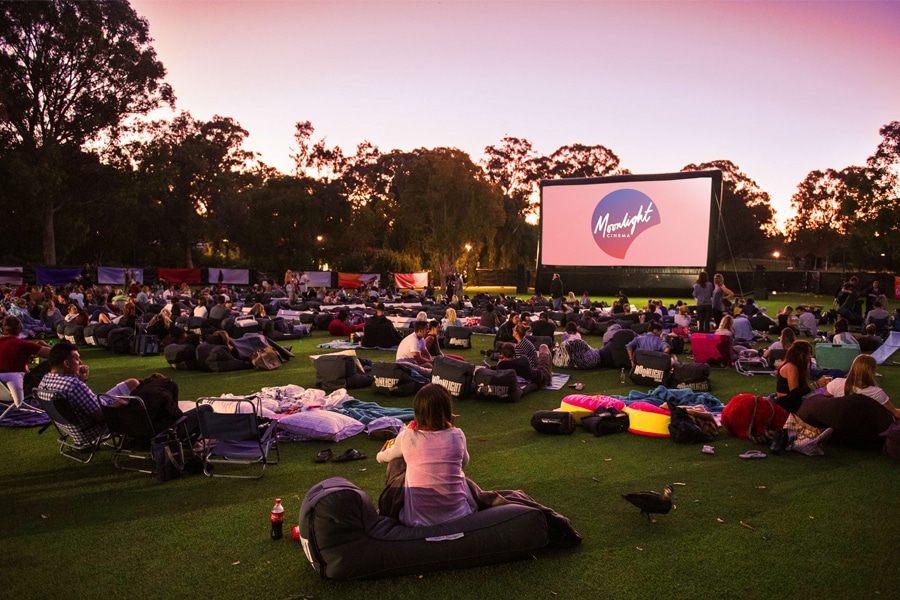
(652, 502)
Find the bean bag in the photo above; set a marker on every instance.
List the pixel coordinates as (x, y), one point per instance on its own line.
(648, 419)
(455, 375)
(119, 339)
(251, 342)
(345, 538)
(458, 337)
(500, 386)
(651, 368)
(737, 414)
(218, 359)
(72, 333)
(614, 355)
(582, 405)
(857, 420)
(394, 379)
(340, 370)
(182, 357)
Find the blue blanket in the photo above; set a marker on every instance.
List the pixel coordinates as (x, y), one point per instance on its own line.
(366, 412)
(685, 397)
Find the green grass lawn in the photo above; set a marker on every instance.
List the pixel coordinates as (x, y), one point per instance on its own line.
(785, 526)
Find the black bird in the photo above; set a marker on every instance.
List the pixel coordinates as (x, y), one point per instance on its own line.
(652, 502)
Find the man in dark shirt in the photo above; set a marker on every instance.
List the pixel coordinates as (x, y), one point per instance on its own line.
(380, 332)
(519, 364)
(543, 326)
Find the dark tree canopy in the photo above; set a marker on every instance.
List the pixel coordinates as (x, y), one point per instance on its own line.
(70, 70)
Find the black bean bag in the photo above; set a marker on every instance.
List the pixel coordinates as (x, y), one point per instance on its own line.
(394, 379)
(182, 357)
(345, 538)
(614, 355)
(857, 420)
(458, 338)
(73, 333)
(119, 340)
(499, 386)
(455, 375)
(339, 370)
(217, 358)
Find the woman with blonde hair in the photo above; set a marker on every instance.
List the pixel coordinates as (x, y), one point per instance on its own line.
(450, 319)
(861, 380)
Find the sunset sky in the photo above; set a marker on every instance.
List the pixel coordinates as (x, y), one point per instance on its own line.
(779, 88)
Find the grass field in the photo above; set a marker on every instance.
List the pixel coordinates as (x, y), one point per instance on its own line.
(786, 526)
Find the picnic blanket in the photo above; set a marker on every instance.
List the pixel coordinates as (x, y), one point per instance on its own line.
(366, 412)
(559, 381)
(341, 344)
(683, 397)
(23, 418)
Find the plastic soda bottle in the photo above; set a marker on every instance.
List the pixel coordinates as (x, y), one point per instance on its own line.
(277, 519)
(622, 376)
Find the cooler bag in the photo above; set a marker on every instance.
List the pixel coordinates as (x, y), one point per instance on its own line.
(835, 356)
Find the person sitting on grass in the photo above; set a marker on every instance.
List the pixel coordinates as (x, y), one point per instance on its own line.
(15, 354)
(776, 351)
(81, 406)
(842, 334)
(379, 331)
(861, 380)
(412, 349)
(652, 340)
(538, 359)
(340, 326)
(519, 364)
(792, 377)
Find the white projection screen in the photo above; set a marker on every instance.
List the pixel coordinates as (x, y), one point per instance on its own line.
(664, 220)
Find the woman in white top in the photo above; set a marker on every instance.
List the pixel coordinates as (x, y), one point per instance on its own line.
(434, 485)
(861, 380)
(200, 310)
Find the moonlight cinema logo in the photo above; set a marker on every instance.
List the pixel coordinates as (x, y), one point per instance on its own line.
(620, 217)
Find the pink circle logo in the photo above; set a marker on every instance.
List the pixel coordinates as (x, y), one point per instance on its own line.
(620, 217)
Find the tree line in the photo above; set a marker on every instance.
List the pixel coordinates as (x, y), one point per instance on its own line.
(85, 176)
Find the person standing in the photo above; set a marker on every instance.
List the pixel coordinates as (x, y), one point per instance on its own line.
(703, 291)
(556, 291)
(720, 296)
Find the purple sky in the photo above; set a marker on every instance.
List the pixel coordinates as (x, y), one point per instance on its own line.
(779, 88)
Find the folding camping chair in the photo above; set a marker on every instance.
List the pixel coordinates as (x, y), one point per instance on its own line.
(235, 435)
(887, 349)
(132, 430)
(50, 402)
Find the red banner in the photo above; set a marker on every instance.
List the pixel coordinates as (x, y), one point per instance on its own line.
(179, 276)
(896, 287)
(411, 280)
(357, 280)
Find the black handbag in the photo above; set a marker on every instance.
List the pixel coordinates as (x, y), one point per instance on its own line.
(168, 454)
(553, 422)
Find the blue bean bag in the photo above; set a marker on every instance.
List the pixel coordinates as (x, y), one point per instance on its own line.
(345, 538)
